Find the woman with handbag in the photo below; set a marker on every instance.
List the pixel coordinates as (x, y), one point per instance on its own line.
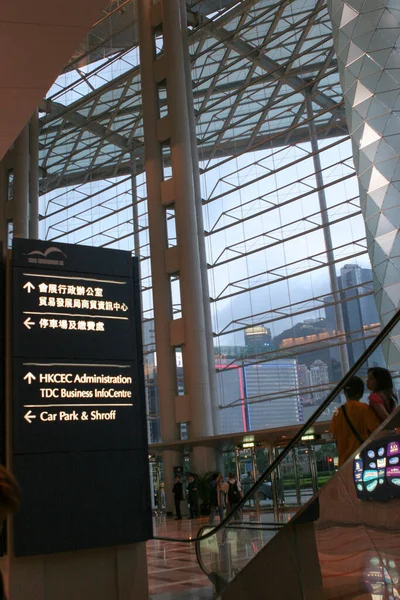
(383, 399)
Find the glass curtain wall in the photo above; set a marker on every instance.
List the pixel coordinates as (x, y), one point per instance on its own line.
(290, 279)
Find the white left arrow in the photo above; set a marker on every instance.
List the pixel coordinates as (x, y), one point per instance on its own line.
(28, 323)
(29, 416)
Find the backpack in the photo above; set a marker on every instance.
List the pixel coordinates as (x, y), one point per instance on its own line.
(233, 494)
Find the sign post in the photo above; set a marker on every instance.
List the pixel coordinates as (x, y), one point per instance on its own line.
(79, 423)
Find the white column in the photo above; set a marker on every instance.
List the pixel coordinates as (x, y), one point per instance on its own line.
(21, 185)
(200, 226)
(162, 302)
(195, 358)
(185, 258)
(34, 177)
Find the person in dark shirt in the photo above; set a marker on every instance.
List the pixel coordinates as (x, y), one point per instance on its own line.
(192, 496)
(234, 493)
(178, 495)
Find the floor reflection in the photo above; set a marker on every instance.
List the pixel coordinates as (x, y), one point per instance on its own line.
(174, 572)
(382, 578)
(358, 542)
(173, 569)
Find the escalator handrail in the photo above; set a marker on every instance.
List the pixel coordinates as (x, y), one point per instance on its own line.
(296, 438)
(272, 527)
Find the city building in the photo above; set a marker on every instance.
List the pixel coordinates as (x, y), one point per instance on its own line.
(311, 340)
(271, 391)
(304, 379)
(259, 396)
(232, 400)
(257, 339)
(360, 315)
(319, 377)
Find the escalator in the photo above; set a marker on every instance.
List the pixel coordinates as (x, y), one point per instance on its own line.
(338, 545)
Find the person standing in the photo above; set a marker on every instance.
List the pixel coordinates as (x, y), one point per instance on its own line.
(178, 496)
(192, 496)
(383, 399)
(353, 422)
(216, 499)
(234, 492)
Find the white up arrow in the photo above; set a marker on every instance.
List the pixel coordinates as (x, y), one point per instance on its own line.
(28, 287)
(30, 377)
(28, 323)
(29, 416)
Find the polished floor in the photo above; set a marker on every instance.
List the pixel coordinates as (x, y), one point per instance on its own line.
(194, 594)
(174, 573)
(357, 549)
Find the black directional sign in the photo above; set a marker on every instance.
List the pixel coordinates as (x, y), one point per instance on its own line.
(78, 396)
(59, 314)
(67, 406)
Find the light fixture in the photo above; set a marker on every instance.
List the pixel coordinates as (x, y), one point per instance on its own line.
(248, 445)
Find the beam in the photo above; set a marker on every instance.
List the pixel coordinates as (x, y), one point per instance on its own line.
(55, 109)
(299, 135)
(198, 93)
(273, 68)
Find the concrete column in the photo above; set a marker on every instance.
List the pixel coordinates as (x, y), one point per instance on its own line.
(200, 225)
(21, 185)
(162, 301)
(34, 177)
(118, 573)
(203, 459)
(344, 359)
(195, 359)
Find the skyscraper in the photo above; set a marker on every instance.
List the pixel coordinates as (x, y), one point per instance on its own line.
(257, 339)
(272, 397)
(259, 396)
(231, 399)
(304, 379)
(319, 376)
(360, 314)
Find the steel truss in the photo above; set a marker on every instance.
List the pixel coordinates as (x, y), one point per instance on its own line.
(254, 64)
